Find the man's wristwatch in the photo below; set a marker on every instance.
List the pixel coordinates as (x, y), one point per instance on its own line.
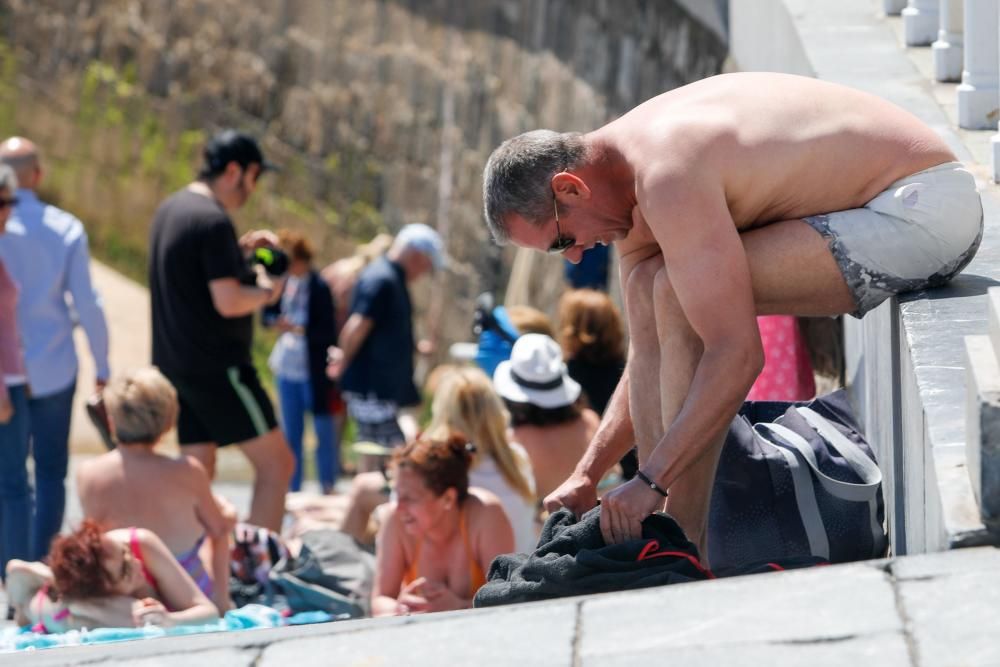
(651, 484)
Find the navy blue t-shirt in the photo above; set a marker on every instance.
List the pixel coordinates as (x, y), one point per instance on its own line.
(383, 367)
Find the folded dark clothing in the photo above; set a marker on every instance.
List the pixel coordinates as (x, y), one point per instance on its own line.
(572, 559)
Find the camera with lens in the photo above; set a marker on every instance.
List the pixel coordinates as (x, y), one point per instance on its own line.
(274, 260)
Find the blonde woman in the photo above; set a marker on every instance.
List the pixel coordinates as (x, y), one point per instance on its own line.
(134, 486)
(465, 402)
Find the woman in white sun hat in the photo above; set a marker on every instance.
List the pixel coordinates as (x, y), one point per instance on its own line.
(546, 417)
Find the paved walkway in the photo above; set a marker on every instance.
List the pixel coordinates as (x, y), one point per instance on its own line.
(938, 609)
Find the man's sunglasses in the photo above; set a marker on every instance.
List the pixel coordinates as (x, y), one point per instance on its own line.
(12, 201)
(561, 243)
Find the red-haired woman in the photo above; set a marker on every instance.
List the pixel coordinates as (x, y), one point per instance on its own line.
(119, 578)
(437, 543)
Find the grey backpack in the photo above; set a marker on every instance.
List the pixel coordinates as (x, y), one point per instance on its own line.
(796, 479)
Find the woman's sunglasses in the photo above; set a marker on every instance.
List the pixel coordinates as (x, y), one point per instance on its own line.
(10, 202)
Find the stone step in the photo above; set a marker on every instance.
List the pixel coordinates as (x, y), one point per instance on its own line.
(982, 445)
(993, 318)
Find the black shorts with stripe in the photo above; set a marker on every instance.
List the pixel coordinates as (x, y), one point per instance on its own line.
(226, 407)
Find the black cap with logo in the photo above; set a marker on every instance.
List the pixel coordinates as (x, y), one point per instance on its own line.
(233, 146)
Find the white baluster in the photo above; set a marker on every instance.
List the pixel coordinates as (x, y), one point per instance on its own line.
(948, 47)
(979, 92)
(920, 22)
(995, 139)
(893, 7)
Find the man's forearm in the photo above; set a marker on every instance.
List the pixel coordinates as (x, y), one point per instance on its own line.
(246, 301)
(614, 437)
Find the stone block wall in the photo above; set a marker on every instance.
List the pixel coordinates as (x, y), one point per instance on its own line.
(383, 111)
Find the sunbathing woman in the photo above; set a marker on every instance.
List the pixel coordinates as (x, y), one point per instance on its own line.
(437, 543)
(119, 578)
(134, 486)
(464, 402)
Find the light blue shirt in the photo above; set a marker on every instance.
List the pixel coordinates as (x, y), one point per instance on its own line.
(45, 250)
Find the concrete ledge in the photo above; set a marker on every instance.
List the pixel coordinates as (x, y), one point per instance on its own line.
(936, 609)
(906, 360)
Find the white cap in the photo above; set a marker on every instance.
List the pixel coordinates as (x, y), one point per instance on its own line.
(423, 239)
(536, 374)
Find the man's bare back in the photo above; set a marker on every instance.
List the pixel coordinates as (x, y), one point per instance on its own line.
(780, 147)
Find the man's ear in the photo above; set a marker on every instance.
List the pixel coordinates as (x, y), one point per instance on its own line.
(569, 186)
(233, 173)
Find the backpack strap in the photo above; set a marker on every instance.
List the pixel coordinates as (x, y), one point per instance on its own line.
(802, 485)
(859, 462)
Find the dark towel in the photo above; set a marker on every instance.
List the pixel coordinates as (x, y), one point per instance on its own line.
(572, 559)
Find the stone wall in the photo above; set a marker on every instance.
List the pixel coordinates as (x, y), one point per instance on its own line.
(382, 111)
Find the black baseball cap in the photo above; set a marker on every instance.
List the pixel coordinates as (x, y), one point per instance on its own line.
(234, 146)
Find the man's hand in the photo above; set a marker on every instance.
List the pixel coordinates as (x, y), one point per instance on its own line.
(6, 409)
(577, 494)
(258, 238)
(425, 347)
(334, 362)
(624, 508)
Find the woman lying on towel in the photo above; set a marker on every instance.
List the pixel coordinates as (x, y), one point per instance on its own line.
(118, 578)
(436, 545)
(134, 486)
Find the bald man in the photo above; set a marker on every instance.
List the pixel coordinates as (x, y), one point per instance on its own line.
(739, 195)
(45, 250)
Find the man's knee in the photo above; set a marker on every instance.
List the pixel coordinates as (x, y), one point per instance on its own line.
(663, 291)
(271, 457)
(639, 284)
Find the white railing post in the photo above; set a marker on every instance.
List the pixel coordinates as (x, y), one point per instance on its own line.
(948, 47)
(979, 92)
(995, 143)
(893, 7)
(920, 22)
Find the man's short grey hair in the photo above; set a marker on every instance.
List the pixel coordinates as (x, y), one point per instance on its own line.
(518, 176)
(8, 179)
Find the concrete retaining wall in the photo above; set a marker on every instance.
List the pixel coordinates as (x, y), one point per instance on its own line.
(905, 360)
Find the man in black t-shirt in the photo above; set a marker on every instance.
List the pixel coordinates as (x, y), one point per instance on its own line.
(204, 294)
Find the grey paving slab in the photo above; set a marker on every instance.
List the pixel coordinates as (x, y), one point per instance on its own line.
(827, 604)
(541, 634)
(983, 560)
(884, 650)
(217, 658)
(954, 619)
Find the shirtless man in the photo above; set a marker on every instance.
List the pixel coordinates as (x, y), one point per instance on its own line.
(739, 195)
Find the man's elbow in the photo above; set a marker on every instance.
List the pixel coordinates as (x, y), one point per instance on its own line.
(225, 306)
(744, 360)
(750, 361)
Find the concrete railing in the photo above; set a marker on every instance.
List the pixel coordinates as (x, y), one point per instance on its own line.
(907, 359)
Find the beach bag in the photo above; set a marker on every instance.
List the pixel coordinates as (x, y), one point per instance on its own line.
(331, 573)
(796, 479)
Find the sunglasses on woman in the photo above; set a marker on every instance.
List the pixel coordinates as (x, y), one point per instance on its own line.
(9, 202)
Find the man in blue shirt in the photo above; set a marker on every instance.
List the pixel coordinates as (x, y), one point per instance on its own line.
(375, 356)
(45, 250)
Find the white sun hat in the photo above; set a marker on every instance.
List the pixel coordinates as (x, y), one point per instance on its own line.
(536, 374)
